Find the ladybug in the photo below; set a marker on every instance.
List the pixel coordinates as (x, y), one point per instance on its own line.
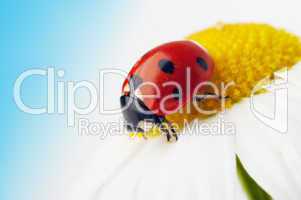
(157, 85)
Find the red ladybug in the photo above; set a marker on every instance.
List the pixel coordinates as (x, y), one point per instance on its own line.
(158, 83)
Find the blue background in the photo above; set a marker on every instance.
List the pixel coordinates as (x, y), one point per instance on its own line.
(69, 35)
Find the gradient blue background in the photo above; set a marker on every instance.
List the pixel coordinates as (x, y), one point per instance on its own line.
(69, 35)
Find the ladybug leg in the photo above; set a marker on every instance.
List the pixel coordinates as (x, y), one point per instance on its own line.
(169, 132)
(173, 133)
(140, 130)
(171, 137)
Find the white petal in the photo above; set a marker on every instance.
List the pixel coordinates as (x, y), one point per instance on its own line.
(273, 159)
(196, 167)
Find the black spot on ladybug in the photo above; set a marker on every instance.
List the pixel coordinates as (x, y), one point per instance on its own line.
(166, 66)
(202, 63)
(135, 81)
(176, 93)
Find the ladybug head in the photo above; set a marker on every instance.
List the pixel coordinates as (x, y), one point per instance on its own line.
(137, 116)
(140, 119)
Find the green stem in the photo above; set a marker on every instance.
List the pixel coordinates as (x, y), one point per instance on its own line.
(253, 190)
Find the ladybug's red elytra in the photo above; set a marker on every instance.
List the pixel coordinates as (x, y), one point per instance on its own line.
(157, 84)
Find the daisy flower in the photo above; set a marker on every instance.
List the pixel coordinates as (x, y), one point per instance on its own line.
(251, 150)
